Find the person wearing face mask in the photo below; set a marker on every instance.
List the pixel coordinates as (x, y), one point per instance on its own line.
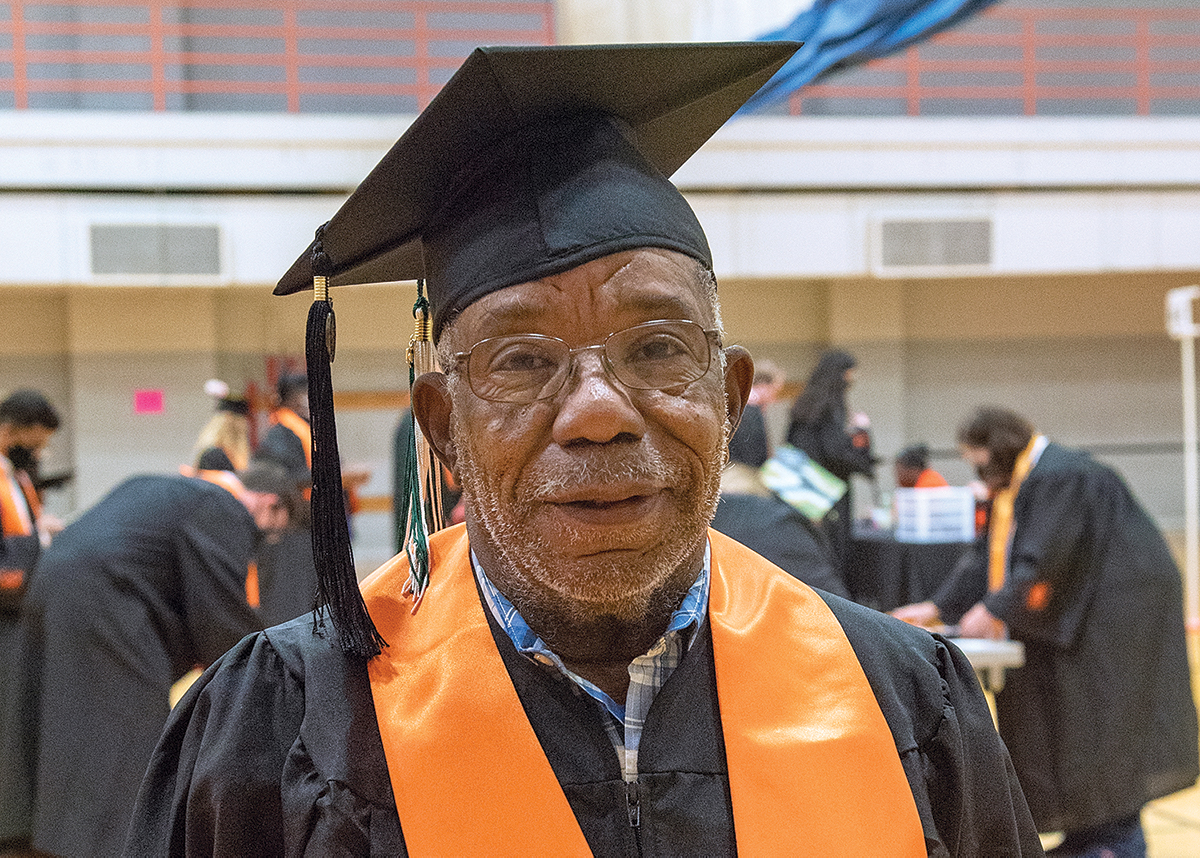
(27, 421)
(1100, 719)
(155, 579)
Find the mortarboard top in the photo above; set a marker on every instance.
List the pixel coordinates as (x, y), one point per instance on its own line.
(532, 160)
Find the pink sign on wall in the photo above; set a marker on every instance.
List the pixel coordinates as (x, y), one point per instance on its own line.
(147, 402)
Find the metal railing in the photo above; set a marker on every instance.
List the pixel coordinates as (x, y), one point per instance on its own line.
(1019, 60)
(273, 55)
(358, 55)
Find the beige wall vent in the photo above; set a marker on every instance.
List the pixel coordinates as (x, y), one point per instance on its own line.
(931, 246)
(156, 249)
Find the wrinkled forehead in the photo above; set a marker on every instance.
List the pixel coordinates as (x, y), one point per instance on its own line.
(601, 296)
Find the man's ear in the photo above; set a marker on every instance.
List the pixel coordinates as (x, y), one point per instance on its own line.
(739, 376)
(431, 406)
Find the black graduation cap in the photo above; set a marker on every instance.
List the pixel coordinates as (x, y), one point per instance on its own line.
(532, 160)
(529, 162)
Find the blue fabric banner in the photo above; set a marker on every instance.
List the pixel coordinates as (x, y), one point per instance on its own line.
(842, 33)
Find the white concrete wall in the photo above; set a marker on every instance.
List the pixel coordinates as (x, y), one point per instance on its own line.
(778, 197)
(608, 21)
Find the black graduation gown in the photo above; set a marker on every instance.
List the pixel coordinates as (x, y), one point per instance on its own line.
(145, 585)
(1101, 719)
(831, 446)
(769, 526)
(17, 552)
(749, 443)
(286, 569)
(276, 751)
(287, 576)
(214, 459)
(283, 447)
(828, 443)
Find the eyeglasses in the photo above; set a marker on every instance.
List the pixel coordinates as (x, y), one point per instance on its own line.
(529, 367)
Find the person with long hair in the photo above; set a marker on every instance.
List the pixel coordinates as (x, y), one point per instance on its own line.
(224, 442)
(840, 444)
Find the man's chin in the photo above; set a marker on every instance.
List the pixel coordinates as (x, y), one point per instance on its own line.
(622, 584)
(588, 603)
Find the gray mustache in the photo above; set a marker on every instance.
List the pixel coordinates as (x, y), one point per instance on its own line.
(549, 480)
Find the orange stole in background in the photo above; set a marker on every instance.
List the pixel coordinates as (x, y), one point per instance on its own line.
(1001, 523)
(812, 763)
(15, 523)
(289, 419)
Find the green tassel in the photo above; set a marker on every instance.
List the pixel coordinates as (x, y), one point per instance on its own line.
(422, 502)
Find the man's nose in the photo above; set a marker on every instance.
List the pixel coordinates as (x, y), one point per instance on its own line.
(595, 407)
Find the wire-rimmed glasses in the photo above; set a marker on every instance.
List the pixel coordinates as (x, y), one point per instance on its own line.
(525, 368)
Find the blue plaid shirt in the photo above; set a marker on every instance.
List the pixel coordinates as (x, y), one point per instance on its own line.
(647, 673)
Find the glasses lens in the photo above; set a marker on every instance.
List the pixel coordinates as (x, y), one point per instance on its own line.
(517, 369)
(659, 355)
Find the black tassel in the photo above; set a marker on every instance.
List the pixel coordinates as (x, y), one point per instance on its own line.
(337, 583)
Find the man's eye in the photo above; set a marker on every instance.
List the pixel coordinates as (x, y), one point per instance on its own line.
(657, 348)
(522, 360)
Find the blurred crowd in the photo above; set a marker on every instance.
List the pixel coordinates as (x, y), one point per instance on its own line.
(101, 617)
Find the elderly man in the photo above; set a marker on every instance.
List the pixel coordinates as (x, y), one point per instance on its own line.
(590, 670)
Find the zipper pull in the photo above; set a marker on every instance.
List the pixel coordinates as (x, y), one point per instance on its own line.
(631, 799)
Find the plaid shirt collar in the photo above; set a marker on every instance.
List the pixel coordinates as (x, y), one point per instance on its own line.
(647, 674)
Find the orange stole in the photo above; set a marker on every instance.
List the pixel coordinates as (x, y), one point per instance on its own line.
(289, 419)
(14, 522)
(812, 764)
(1001, 525)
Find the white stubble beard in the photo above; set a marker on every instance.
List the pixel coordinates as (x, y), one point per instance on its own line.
(539, 574)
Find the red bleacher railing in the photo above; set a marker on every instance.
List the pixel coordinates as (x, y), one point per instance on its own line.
(313, 55)
(151, 49)
(1153, 54)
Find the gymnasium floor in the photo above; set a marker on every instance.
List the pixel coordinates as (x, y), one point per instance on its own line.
(1173, 825)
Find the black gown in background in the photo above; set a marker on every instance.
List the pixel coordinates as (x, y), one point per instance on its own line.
(828, 443)
(18, 555)
(287, 573)
(1100, 720)
(283, 447)
(145, 585)
(276, 751)
(769, 526)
